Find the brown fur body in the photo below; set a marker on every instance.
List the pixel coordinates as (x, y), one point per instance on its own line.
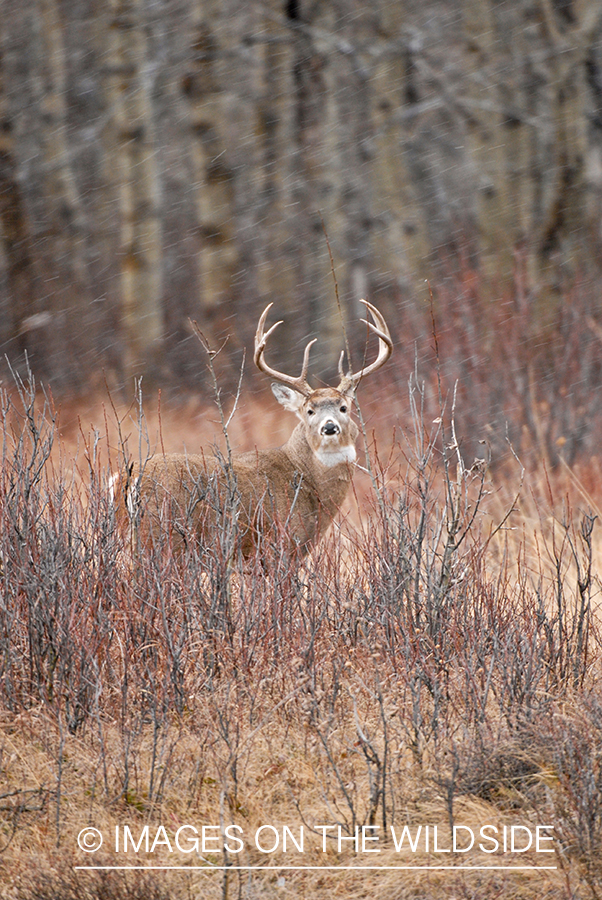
(284, 492)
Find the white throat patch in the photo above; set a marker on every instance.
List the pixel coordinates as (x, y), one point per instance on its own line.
(337, 455)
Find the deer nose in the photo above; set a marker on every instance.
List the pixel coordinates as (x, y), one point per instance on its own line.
(330, 427)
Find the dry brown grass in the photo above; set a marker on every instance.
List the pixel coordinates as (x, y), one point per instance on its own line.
(279, 777)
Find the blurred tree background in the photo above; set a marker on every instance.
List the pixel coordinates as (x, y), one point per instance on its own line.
(162, 160)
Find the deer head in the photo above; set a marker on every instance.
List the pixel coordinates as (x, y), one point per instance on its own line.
(324, 412)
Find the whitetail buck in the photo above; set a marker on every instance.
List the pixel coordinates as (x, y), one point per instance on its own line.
(294, 490)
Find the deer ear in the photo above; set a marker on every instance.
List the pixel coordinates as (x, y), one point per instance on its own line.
(348, 391)
(287, 397)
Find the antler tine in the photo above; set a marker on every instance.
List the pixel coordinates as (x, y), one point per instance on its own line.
(300, 383)
(385, 348)
(303, 376)
(261, 337)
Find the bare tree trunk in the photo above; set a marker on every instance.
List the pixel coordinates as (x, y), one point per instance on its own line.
(489, 136)
(208, 116)
(130, 85)
(16, 260)
(168, 52)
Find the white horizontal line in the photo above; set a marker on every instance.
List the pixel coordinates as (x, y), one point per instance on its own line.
(314, 868)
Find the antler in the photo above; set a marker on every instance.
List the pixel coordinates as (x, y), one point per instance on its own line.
(385, 348)
(349, 380)
(261, 338)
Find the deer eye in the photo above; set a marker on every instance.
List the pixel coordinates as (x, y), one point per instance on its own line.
(310, 412)
(343, 409)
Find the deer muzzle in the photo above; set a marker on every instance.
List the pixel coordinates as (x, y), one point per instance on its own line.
(330, 428)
